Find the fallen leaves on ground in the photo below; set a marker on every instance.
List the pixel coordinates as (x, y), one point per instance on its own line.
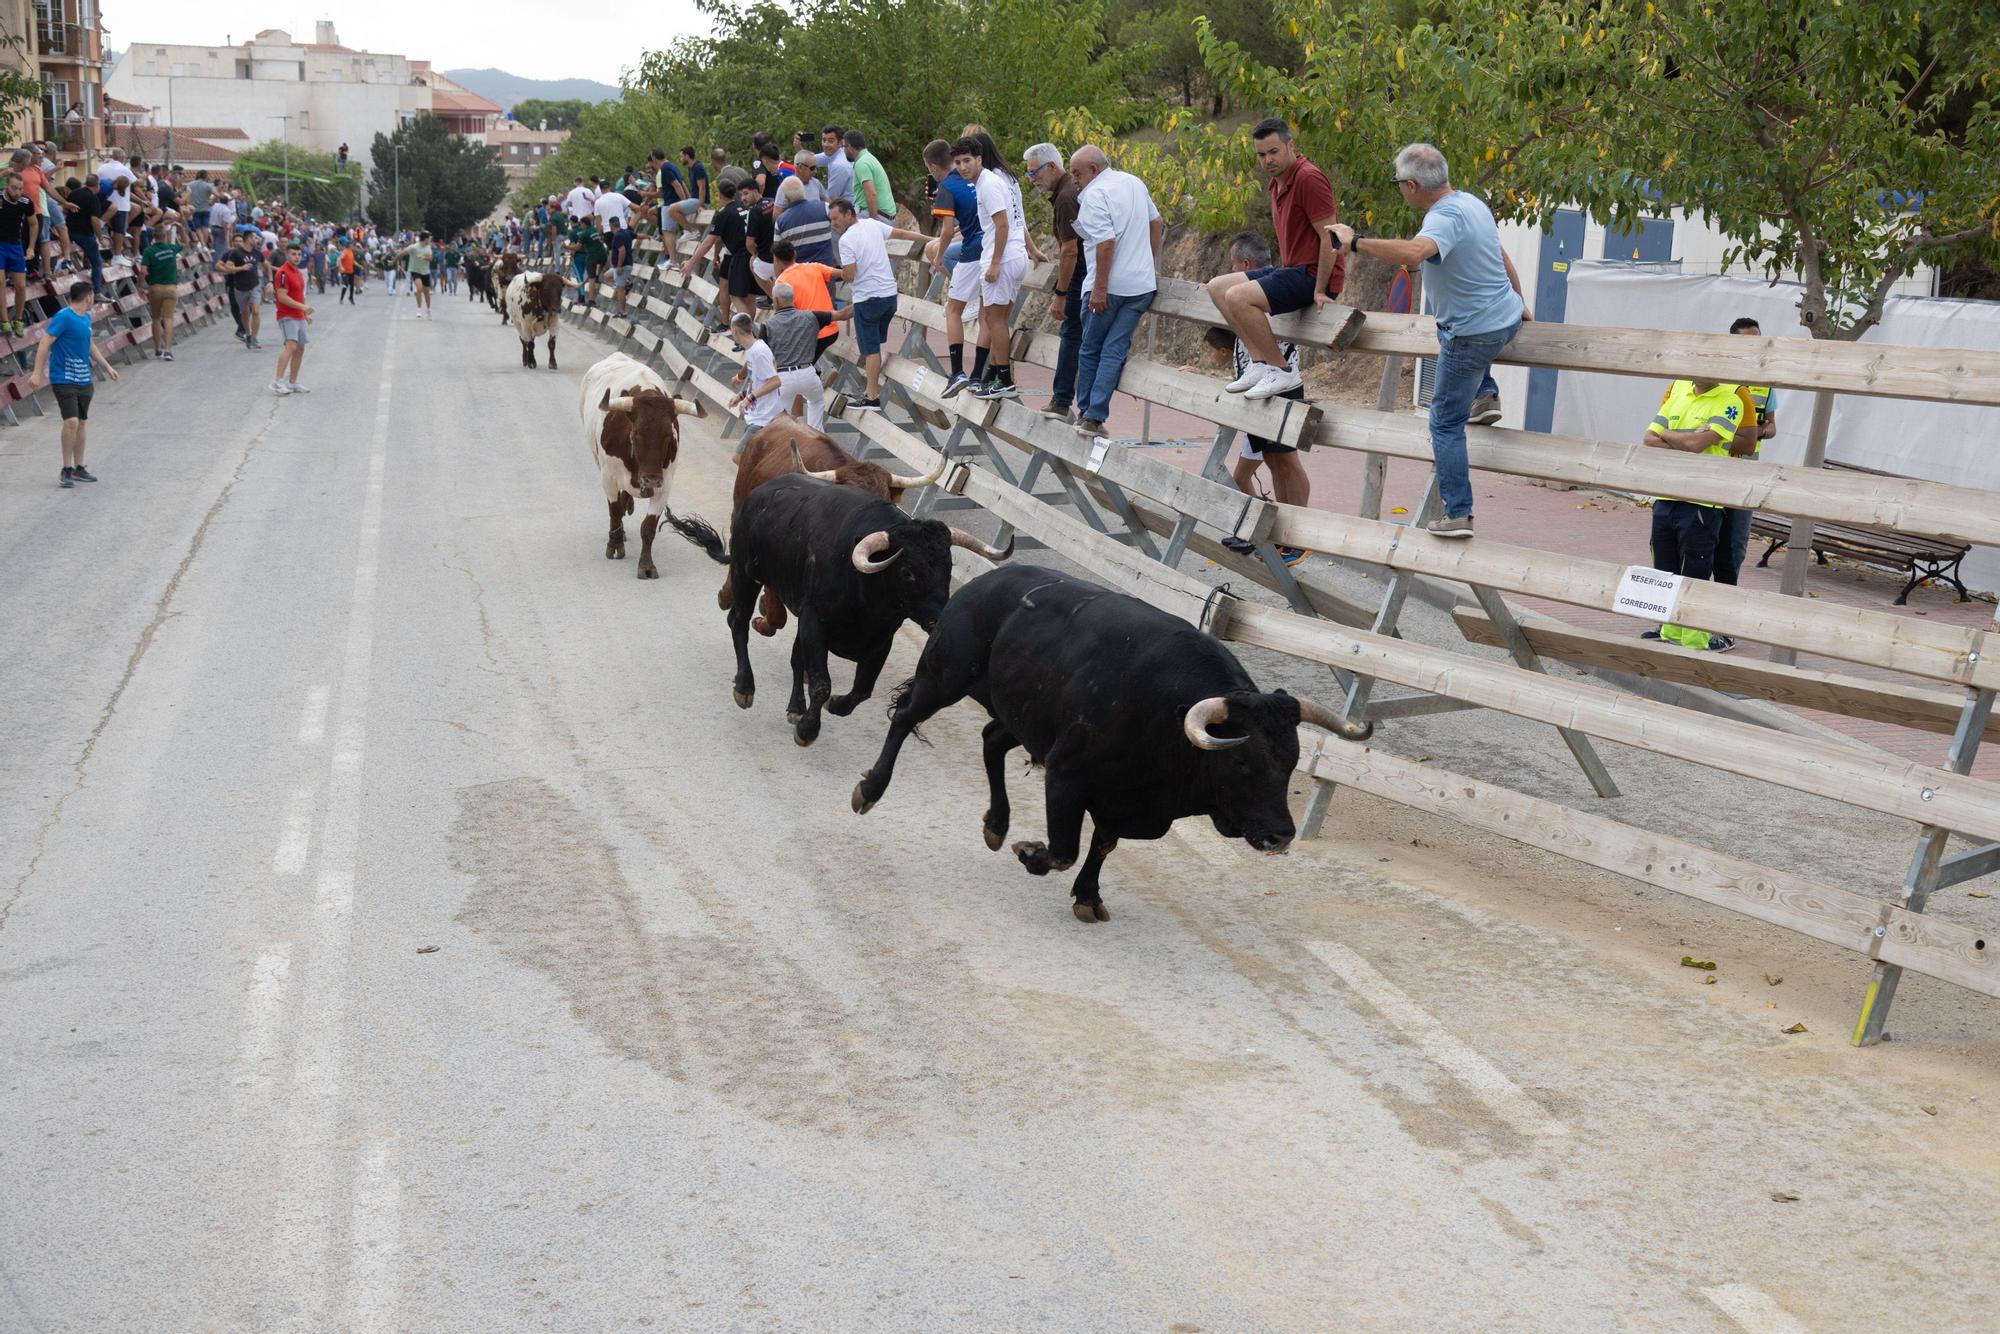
(427, 949)
(1795, 1028)
(1785, 1196)
(1928, 1110)
(1772, 979)
(1689, 961)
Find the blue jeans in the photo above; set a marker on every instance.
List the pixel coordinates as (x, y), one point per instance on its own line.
(1464, 373)
(86, 241)
(1100, 361)
(1064, 391)
(949, 259)
(1735, 544)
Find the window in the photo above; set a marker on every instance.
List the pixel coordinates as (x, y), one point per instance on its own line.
(336, 75)
(242, 69)
(305, 120)
(180, 70)
(152, 70)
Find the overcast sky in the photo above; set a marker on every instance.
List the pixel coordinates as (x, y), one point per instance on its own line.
(539, 39)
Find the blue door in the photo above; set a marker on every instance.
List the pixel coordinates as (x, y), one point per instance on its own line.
(1562, 245)
(1651, 242)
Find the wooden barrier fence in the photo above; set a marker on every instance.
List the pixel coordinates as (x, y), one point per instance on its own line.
(1129, 518)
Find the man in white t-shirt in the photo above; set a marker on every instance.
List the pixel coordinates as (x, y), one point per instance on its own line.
(612, 209)
(118, 178)
(864, 262)
(577, 203)
(1121, 231)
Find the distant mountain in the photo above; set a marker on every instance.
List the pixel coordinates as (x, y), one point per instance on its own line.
(497, 85)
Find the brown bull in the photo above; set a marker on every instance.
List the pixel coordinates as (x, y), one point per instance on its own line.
(503, 274)
(787, 445)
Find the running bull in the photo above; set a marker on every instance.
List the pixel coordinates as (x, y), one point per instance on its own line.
(534, 307)
(632, 422)
(850, 566)
(1136, 717)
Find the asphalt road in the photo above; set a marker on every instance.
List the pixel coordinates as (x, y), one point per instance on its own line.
(305, 688)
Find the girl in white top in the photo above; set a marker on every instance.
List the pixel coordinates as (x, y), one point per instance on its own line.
(1007, 254)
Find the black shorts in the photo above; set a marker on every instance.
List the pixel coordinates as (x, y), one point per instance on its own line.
(820, 346)
(423, 278)
(115, 222)
(74, 400)
(1288, 289)
(1269, 447)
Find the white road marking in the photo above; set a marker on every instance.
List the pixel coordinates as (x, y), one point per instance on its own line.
(264, 1007)
(1498, 1092)
(373, 1236)
(296, 841)
(1753, 1309)
(317, 1077)
(312, 723)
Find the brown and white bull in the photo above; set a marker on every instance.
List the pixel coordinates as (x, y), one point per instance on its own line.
(504, 274)
(534, 308)
(632, 421)
(785, 445)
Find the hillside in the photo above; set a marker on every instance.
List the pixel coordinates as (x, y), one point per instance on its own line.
(499, 86)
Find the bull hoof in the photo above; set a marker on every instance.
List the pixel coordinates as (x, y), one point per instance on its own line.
(793, 716)
(744, 698)
(614, 553)
(1092, 913)
(994, 837)
(859, 801)
(1034, 857)
(842, 705)
(763, 627)
(807, 731)
(648, 570)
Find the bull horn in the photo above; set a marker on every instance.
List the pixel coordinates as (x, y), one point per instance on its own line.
(690, 407)
(961, 538)
(912, 483)
(1204, 715)
(799, 465)
(623, 403)
(1320, 716)
(868, 547)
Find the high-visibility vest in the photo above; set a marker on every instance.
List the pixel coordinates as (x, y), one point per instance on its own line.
(1720, 410)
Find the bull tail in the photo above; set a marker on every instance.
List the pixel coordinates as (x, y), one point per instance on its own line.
(701, 534)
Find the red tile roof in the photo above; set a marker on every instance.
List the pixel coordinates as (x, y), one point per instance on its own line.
(119, 104)
(150, 142)
(463, 103)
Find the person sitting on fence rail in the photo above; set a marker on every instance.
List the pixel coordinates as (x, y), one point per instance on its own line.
(1698, 417)
(1289, 483)
(1045, 169)
(1120, 231)
(1760, 407)
(1309, 272)
(864, 260)
(1476, 295)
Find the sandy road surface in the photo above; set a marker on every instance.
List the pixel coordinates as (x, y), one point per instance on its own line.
(303, 686)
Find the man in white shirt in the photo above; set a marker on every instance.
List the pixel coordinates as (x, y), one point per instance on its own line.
(612, 209)
(864, 263)
(577, 203)
(118, 209)
(759, 398)
(1120, 231)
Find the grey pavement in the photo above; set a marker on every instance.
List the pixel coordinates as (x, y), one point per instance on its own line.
(306, 687)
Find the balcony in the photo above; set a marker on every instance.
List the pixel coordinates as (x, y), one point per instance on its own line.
(66, 42)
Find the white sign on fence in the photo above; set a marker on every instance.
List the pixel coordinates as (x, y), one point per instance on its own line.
(1651, 595)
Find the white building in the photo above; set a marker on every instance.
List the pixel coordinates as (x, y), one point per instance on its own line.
(317, 95)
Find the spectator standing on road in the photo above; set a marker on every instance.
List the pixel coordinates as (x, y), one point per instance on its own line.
(1696, 417)
(872, 196)
(419, 259)
(288, 286)
(159, 275)
(245, 271)
(1309, 272)
(1120, 231)
(64, 357)
(586, 243)
(19, 229)
(1472, 287)
(1045, 169)
(864, 263)
(1761, 407)
(347, 267)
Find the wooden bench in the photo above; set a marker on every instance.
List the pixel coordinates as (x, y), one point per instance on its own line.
(1925, 558)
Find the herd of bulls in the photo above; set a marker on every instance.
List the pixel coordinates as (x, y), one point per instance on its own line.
(1135, 717)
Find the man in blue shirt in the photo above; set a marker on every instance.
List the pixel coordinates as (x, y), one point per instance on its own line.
(63, 359)
(957, 212)
(1476, 295)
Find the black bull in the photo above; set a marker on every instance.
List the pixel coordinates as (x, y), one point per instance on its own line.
(1136, 717)
(851, 567)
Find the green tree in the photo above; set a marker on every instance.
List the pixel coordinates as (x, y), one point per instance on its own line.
(1163, 44)
(447, 182)
(610, 137)
(1846, 143)
(316, 181)
(562, 113)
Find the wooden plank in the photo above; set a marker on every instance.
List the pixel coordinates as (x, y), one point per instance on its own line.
(1935, 374)
(1903, 503)
(1334, 326)
(1220, 507)
(1288, 421)
(1853, 634)
(1939, 949)
(1873, 780)
(1800, 687)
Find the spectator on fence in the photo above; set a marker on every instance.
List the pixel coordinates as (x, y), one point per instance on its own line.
(678, 205)
(618, 262)
(805, 166)
(20, 229)
(812, 288)
(1007, 252)
(1761, 407)
(86, 212)
(835, 165)
(1289, 483)
(200, 198)
(1476, 295)
(1120, 231)
(793, 335)
(728, 238)
(1696, 417)
(872, 196)
(221, 217)
(757, 383)
(64, 357)
(804, 222)
(772, 169)
(864, 263)
(956, 208)
(1309, 272)
(760, 222)
(1045, 169)
(245, 272)
(26, 168)
(159, 274)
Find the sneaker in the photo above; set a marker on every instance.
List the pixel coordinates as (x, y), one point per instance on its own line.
(1277, 380)
(1653, 633)
(1089, 428)
(157, 354)
(997, 389)
(958, 381)
(166, 356)
(67, 481)
(1240, 546)
(1256, 371)
(1450, 527)
(1056, 412)
(1485, 411)
(83, 474)
(297, 388)
(280, 388)
(864, 405)
(1291, 555)
(242, 337)
(1720, 643)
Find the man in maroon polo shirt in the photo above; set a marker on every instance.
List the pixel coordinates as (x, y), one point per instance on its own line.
(1309, 272)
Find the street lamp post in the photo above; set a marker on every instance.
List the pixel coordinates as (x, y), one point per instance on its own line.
(396, 159)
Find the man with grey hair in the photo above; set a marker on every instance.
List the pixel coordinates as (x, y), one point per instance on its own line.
(1120, 233)
(1045, 169)
(792, 335)
(804, 222)
(1472, 286)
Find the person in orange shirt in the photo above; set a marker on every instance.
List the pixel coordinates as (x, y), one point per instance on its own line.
(811, 288)
(346, 274)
